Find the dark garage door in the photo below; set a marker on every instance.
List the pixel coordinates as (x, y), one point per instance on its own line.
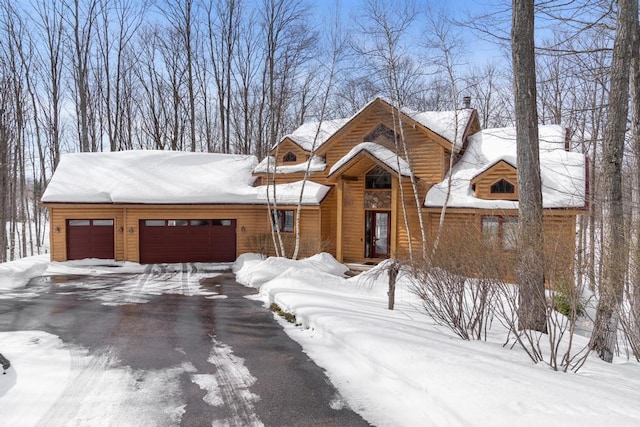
(183, 240)
(90, 238)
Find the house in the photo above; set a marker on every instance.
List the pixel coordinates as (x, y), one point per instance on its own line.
(358, 203)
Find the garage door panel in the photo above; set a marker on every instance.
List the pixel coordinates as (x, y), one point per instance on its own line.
(187, 241)
(90, 238)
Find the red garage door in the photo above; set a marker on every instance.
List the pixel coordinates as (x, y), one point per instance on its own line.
(182, 240)
(90, 238)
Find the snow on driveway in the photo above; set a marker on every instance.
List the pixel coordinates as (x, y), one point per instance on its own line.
(72, 387)
(75, 387)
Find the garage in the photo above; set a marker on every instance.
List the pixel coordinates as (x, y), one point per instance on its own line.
(187, 240)
(90, 238)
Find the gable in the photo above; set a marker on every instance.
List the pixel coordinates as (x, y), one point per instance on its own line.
(289, 147)
(376, 153)
(497, 182)
(375, 121)
(378, 115)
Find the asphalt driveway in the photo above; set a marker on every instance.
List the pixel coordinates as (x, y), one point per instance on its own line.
(234, 364)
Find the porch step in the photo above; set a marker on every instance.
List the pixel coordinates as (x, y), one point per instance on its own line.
(357, 268)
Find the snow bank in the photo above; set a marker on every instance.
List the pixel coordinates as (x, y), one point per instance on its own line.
(40, 369)
(17, 273)
(399, 368)
(254, 272)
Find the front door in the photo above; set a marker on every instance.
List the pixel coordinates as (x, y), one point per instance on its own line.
(377, 231)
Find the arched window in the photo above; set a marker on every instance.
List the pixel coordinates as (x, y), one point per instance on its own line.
(289, 157)
(377, 179)
(503, 187)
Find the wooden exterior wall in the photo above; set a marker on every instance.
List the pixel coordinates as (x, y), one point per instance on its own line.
(252, 222)
(59, 215)
(462, 235)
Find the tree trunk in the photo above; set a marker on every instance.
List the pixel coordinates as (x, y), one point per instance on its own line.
(634, 244)
(611, 288)
(530, 271)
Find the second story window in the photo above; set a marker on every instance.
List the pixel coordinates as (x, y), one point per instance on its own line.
(503, 187)
(289, 157)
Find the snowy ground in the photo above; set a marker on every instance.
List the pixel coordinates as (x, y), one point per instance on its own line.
(399, 368)
(392, 367)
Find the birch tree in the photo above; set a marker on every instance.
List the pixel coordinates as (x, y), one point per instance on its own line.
(386, 25)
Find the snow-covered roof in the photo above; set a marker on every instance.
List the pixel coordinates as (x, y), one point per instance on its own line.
(441, 122)
(384, 155)
(448, 124)
(563, 173)
(289, 194)
(159, 177)
(305, 134)
(269, 163)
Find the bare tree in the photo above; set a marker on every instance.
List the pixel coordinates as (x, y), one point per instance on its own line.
(530, 271)
(611, 288)
(183, 31)
(81, 18)
(337, 46)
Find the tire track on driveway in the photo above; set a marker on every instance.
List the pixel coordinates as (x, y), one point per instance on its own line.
(229, 386)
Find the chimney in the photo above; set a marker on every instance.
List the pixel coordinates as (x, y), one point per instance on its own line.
(466, 102)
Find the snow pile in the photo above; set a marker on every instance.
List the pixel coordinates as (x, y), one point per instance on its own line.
(399, 368)
(17, 273)
(252, 271)
(563, 173)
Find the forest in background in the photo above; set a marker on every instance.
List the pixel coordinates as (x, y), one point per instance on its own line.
(235, 76)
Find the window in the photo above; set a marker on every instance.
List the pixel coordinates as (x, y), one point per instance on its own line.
(504, 229)
(502, 187)
(381, 135)
(289, 157)
(284, 220)
(377, 178)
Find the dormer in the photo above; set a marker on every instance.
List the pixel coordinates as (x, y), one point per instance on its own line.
(497, 182)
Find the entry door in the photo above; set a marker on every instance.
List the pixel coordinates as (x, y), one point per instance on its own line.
(378, 233)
